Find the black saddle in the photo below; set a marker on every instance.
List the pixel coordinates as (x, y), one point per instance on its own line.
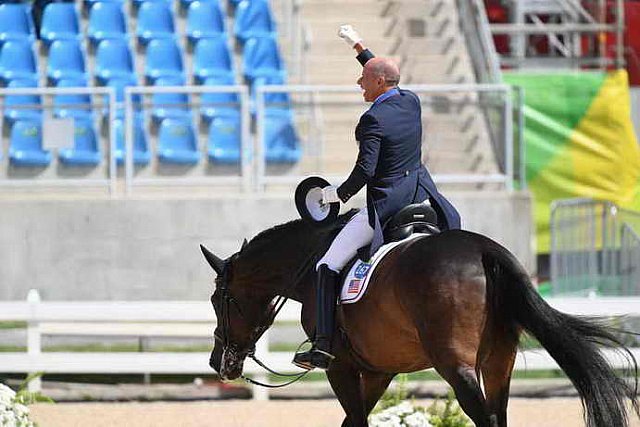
(416, 218)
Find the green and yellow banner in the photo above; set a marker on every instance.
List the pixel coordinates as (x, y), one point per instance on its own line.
(579, 141)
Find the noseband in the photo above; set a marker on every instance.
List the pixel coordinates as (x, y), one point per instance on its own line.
(226, 301)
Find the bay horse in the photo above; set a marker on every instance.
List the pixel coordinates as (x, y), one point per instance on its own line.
(455, 301)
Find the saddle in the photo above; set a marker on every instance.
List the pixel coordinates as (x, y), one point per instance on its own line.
(410, 222)
(415, 218)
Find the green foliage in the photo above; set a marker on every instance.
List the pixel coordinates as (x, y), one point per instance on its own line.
(449, 415)
(26, 397)
(393, 396)
(441, 414)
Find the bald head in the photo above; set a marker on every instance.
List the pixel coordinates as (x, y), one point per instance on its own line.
(386, 68)
(378, 76)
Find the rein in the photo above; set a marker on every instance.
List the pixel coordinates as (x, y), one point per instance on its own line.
(269, 317)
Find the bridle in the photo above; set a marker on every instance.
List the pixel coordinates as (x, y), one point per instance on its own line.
(227, 300)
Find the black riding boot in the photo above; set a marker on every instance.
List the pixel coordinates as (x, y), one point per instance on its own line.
(320, 354)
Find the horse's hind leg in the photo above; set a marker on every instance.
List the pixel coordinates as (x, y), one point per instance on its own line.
(463, 379)
(496, 376)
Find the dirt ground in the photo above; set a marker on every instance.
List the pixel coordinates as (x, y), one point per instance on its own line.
(554, 412)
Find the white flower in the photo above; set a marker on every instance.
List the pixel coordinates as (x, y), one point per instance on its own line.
(401, 415)
(417, 419)
(12, 414)
(6, 395)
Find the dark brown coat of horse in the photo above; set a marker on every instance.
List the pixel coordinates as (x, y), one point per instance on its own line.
(456, 302)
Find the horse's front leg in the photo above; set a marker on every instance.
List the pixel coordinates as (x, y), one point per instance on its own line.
(358, 392)
(345, 382)
(373, 387)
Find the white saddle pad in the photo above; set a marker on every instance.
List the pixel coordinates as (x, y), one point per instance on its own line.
(355, 283)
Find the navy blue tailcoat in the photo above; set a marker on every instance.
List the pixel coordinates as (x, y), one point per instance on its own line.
(390, 164)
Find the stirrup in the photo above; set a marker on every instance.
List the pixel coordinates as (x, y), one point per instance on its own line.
(314, 358)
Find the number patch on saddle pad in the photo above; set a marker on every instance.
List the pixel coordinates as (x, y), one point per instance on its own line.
(355, 283)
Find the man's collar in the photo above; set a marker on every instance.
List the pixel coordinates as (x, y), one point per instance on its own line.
(388, 94)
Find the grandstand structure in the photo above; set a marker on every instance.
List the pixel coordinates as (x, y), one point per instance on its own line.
(133, 130)
(202, 133)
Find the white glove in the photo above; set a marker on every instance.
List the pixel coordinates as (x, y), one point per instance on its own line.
(349, 35)
(330, 194)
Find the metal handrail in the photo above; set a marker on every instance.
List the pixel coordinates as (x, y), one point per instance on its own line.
(507, 177)
(110, 94)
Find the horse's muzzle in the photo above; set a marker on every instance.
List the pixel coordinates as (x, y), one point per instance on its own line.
(231, 364)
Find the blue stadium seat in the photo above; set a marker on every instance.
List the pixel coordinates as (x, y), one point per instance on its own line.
(76, 106)
(16, 23)
(273, 100)
(113, 60)
(184, 4)
(22, 107)
(212, 58)
(225, 136)
(85, 151)
(141, 153)
(164, 59)
(219, 104)
(177, 142)
(119, 84)
(60, 22)
(261, 58)
(281, 142)
(89, 3)
(25, 147)
(155, 21)
(106, 21)
(17, 61)
(170, 105)
(253, 19)
(66, 61)
(138, 3)
(205, 19)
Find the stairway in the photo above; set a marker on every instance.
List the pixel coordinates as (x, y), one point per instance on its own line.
(423, 36)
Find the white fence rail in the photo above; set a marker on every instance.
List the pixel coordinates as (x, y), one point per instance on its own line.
(195, 319)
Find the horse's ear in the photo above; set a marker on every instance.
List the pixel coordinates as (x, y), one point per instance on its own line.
(244, 243)
(216, 263)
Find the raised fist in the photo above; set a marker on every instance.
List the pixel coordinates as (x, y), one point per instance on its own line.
(349, 35)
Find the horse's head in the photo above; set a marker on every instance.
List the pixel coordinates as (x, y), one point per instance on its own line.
(240, 312)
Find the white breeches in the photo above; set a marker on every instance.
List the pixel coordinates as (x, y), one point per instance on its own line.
(355, 234)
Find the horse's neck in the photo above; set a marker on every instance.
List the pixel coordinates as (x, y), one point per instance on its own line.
(289, 279)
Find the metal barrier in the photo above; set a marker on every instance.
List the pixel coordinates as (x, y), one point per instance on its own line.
(570, 27)
(594, 248)
(202, 172)
(630, 260)
(45, 121)
(482, 51)
(468, 135)
(455, 132)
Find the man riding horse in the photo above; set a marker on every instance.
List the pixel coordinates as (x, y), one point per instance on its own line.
(389, 163)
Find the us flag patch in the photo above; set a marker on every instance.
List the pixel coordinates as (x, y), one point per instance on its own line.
(354, 286)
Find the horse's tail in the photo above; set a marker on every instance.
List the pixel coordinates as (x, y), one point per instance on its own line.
(572, 341)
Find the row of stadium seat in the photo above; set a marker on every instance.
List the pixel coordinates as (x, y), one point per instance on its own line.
(114, 67)
(212, 58)
(107, 20)
(177, 142)
(164, 67)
